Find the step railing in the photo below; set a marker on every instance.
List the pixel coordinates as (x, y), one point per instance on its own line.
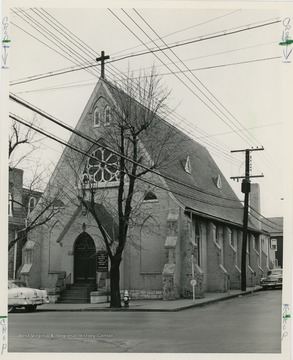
(68, 282)
(91, 287)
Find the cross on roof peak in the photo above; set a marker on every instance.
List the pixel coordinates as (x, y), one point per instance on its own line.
(102, 58)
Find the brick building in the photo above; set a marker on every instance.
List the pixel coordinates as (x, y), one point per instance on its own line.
(21, 202)
(196, 216)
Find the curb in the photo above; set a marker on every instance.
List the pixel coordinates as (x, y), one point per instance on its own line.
(185, 307)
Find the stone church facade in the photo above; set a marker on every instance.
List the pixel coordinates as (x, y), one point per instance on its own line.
(190, 228)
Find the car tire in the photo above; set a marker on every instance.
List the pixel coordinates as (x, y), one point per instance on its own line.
(11, 309)
(30, 308)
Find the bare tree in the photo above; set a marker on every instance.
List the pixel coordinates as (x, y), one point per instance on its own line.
(19, 135)
(142, 141)
(49, 206)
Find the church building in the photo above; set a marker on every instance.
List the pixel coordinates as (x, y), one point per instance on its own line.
(187, 221)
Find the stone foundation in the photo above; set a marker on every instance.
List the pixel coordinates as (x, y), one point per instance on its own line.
(143, 294)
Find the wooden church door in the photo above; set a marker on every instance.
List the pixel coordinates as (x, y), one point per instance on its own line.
(84, 258)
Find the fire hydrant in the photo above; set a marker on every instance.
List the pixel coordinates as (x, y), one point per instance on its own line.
(126, 299)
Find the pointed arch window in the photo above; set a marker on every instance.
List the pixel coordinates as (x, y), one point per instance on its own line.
(31, 204)
(150, 196)
(101, 168)
(107, 115)
(97, 117)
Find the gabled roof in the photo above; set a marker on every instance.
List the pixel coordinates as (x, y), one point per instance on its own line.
(208, 200)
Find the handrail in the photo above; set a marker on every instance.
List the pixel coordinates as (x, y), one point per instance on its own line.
(68, 281)
(91, 287)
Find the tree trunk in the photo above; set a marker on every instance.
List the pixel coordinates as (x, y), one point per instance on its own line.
(115, 282)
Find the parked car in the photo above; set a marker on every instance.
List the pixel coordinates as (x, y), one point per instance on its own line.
(20, 295)
(273, 279)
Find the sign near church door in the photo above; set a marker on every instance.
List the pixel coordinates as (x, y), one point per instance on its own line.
(102, 261)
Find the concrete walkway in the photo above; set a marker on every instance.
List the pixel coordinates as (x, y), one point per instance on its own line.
(152, 305)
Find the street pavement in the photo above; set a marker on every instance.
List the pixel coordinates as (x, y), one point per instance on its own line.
(244, 324)
(152, 305)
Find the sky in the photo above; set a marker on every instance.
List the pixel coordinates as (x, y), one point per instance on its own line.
(232, 99)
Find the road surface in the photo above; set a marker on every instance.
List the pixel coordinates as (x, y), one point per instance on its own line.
(247, 324)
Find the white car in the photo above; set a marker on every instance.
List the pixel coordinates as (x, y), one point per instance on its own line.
(19, 295)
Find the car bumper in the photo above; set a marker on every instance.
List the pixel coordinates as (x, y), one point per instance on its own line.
(271, 284)
(24, 302)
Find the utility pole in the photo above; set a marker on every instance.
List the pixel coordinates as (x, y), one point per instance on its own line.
(102, 58)
(245, 188)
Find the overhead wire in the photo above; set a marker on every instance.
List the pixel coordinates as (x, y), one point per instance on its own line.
(201, 38)
(66, 144)
(226, 158)
(66, 49)
(250, 135)
(85, 47)
(201, 83)
(178, 31)
(95, 142)
(187, 86)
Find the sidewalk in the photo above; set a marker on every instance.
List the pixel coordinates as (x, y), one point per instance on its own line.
(152, 305)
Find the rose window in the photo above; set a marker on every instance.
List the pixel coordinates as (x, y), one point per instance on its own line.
(101, 167)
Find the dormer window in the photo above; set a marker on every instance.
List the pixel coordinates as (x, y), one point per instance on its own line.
(107, 115)
(97, 117)
(187, 165)
(218, 182)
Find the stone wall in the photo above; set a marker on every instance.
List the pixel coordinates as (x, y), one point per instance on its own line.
(230, 258)
(143, 294)
(188, 252)
(217, 274)
(171, 271)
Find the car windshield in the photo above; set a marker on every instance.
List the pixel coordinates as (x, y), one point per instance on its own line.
(275, 272)
(16, 284)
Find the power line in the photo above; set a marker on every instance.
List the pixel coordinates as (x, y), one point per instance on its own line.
(203, 101)
(93, 141)
(226, 33)
(205, 87)
(95, 53)
(53, 137)
(178, 31)
(213, 146)
(43, 30)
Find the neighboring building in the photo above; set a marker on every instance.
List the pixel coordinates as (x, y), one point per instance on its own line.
(274, 227)
(202, 220)
(21, 202)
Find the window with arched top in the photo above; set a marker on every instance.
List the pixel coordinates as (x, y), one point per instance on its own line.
(97, 117)
(31, 204)
(101, 168)
(150, 196)
(151, 247)
(107, 115)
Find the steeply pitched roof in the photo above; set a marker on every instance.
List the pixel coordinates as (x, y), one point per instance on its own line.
(219, 203)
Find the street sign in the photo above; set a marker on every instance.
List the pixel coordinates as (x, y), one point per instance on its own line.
(193, 282)
(102, 261)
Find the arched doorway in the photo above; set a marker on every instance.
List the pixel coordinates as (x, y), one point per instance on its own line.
(84, 258)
